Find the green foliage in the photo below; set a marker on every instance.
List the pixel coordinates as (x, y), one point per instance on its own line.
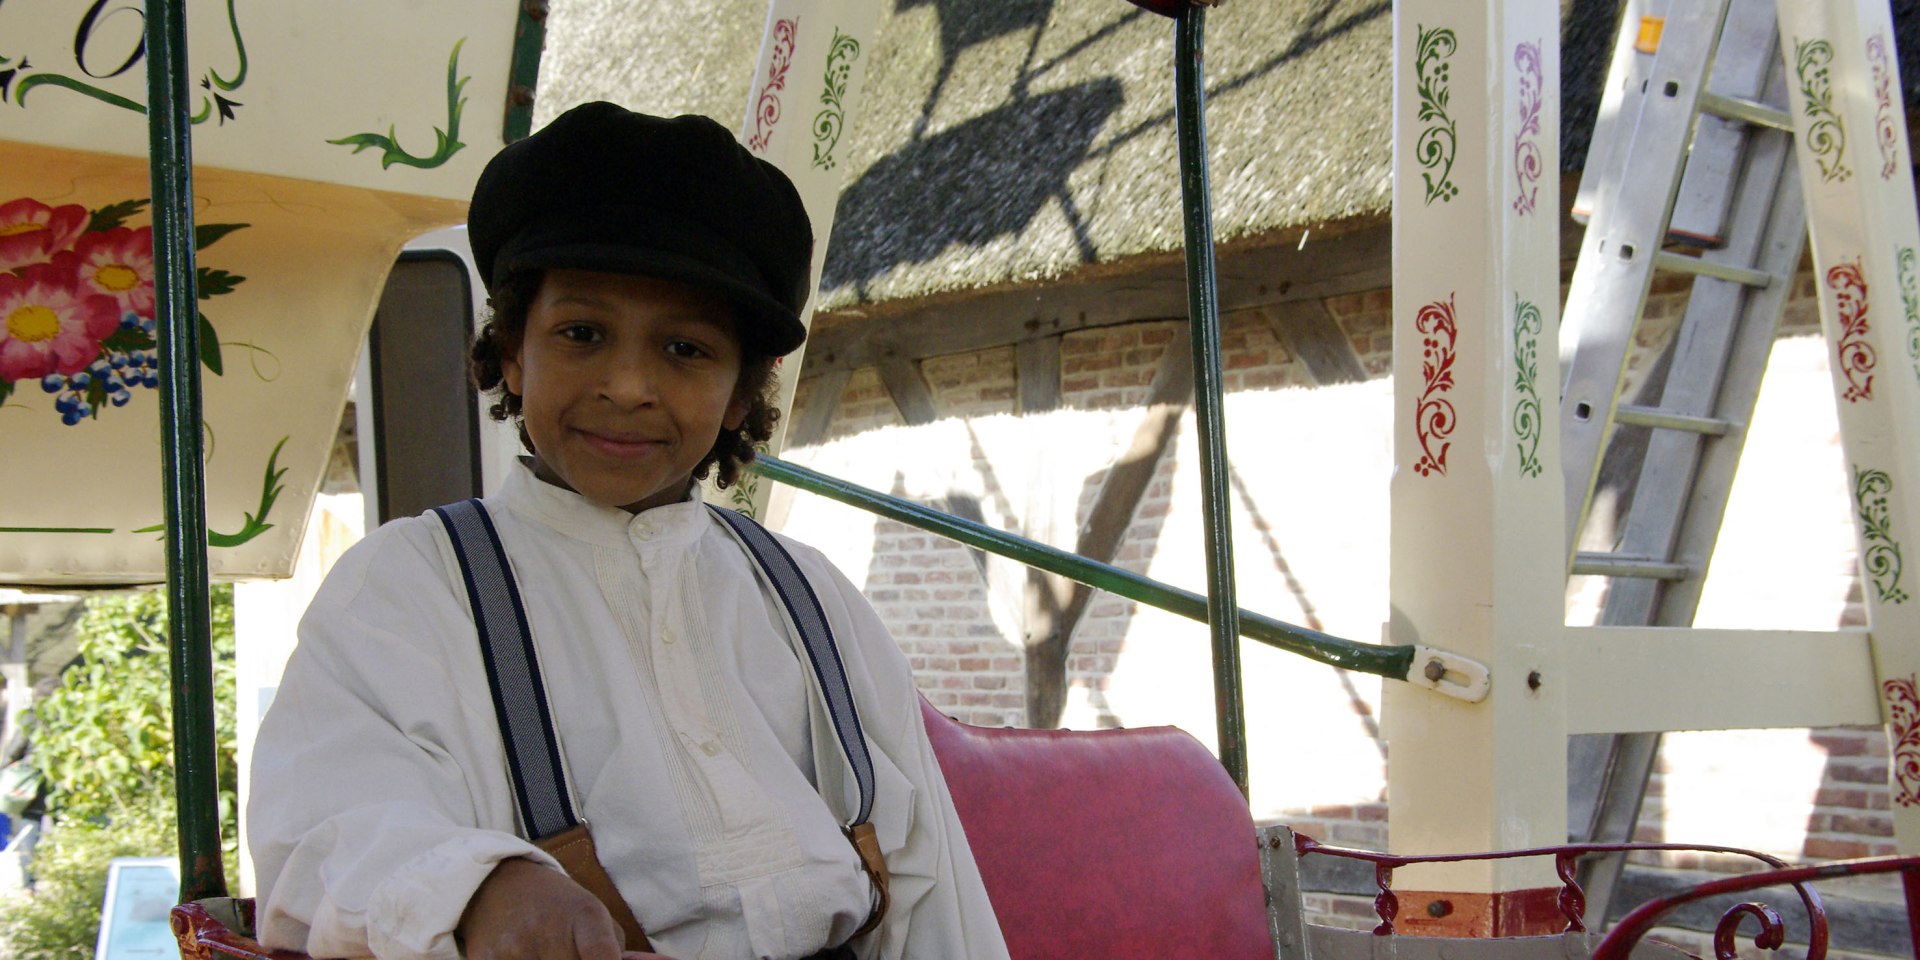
(105, 741)
(105, 736)
(60, 919)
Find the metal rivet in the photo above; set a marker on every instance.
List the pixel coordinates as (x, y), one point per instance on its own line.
(1533, 680)
(1439, 908)
(1435, 670)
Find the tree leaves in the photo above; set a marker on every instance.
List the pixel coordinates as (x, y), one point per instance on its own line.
(104, 737)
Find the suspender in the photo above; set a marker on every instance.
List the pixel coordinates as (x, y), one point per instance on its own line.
(513, 672)
(520, 700)
(802, 606)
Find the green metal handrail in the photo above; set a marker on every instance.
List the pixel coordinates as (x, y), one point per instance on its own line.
(1391, 662)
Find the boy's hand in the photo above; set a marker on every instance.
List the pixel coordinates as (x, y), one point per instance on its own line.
(524, 911)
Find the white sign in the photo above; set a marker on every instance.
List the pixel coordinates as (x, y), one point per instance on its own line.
(133, 920)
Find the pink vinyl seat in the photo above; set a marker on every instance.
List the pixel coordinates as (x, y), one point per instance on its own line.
(1111, 844)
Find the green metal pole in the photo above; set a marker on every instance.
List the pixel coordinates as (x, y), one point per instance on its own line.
(189, 625)
(1390, 662)
(1203, 307)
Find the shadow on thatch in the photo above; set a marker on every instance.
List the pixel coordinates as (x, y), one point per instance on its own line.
(986, 178)
(964, 23)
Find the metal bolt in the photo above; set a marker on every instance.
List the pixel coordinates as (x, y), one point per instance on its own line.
(1435, 670)
(1439, 908)
(1533, 680)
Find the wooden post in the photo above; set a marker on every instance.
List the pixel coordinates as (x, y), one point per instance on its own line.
(807, 88)
(1477, 542)
(1857, 173)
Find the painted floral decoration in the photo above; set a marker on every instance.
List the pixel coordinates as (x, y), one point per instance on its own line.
(77, 303)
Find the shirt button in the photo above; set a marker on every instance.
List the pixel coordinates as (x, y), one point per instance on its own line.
(668, 636)
(710, 748)
(642, 530)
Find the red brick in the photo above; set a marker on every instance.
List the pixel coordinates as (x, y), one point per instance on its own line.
(1861, 825)
(1858, 773)
(1852, 799)
(1829, 849)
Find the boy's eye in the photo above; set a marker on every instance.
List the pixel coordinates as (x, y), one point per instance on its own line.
(579, 333)
(685, 350)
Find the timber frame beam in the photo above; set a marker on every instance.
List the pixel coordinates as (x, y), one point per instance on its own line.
(1352, 262)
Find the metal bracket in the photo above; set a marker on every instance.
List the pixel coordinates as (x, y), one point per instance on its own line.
(1451, 674)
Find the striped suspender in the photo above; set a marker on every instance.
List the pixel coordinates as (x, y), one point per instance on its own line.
(513, 674)
(810, 622)
(520, 699)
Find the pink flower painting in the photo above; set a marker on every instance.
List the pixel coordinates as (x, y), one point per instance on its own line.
(50, 324)
(117, 263)
(77, 304)
(32, 232)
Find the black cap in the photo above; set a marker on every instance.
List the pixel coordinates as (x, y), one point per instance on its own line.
(604, 188)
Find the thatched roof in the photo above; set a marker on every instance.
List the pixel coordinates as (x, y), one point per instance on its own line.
(1009, 141)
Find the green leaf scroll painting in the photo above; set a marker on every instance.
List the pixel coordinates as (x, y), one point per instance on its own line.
(253, 523)
(77, 304)
(18, 76)
(446, 141)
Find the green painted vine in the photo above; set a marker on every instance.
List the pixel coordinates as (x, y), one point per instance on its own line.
(828, 123)
(446, 141)
(1527, 420)
(1881, 556)
(1826, 134)
(1439, 137)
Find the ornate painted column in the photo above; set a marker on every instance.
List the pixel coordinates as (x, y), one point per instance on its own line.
(1478, 554)
(1857, 174)
(807, 88)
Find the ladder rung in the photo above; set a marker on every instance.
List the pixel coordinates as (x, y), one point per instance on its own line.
(1614, 565)
(1656, 417)
(1707, 268)
(1745, 111)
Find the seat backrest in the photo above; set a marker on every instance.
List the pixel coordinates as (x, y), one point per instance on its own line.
(1115, 844)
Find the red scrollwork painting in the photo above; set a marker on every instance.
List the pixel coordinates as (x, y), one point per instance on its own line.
(1903, 718)
(766, 106)
(1857, 358)
(1434, 417)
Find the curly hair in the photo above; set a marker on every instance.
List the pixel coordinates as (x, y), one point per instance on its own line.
(506, 325)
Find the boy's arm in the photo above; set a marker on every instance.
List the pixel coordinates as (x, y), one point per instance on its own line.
(379, 801)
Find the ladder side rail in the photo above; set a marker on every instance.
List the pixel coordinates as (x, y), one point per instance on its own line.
(1742, 66)
(1607, 149)
(1615, 268)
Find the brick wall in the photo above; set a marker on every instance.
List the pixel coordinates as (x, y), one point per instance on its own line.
(1310, 471)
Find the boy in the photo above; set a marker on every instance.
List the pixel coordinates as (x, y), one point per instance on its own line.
(645, 274)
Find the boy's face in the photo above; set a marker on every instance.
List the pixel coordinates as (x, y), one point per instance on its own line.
(625, 383)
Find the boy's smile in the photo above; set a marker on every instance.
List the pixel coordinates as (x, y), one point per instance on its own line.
(625, 382)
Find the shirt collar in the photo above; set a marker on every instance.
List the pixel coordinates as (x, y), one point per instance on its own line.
(573, 515)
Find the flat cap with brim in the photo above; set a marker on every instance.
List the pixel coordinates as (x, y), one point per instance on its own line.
(605, 188)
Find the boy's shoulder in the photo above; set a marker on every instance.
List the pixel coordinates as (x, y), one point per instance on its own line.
(402, 556)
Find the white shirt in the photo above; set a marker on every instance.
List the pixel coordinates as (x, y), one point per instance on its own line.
(380, 797)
